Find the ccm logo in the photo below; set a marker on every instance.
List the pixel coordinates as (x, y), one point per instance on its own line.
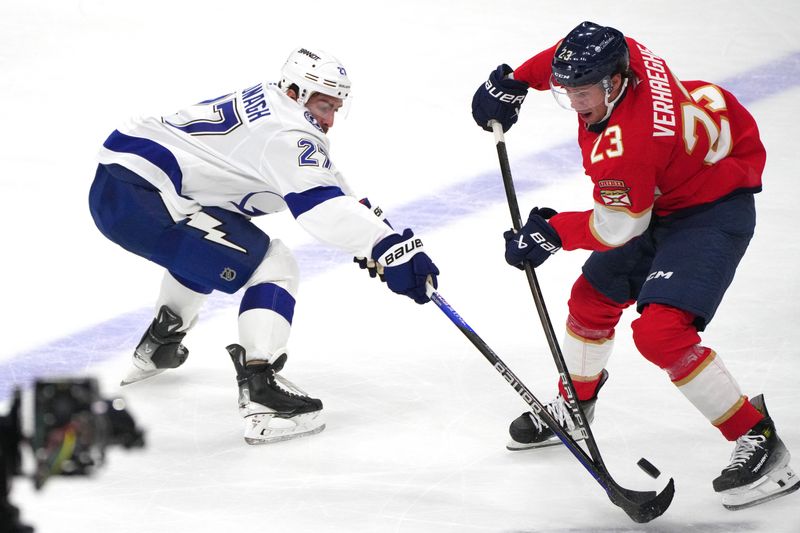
(403, 250)
(504, 97)
(659, 274)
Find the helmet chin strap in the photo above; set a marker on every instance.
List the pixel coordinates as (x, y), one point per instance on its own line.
(610, 105)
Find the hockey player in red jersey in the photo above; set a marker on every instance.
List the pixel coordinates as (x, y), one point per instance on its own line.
(674, 165)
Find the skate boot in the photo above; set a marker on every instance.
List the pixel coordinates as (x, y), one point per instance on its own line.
(273, 408)
(160, 347)
(759, 469)
(529, 431)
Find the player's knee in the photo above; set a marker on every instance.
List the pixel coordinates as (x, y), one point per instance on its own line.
(279, 267)
(663, 334)
(592, 309)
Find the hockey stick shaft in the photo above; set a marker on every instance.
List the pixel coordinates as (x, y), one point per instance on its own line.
(503, 369)
(657, 504)
(536, 292)
(640, 506)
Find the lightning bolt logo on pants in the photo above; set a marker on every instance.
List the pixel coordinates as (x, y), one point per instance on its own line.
(206, 223)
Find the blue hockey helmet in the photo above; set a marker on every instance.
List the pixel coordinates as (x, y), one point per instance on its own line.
(590, 53)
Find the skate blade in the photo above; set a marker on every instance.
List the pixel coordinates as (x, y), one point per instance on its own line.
(515, 446)
(774, 485)
(136, 374)
(268, 428)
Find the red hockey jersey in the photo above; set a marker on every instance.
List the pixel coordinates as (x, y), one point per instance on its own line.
(668, 145)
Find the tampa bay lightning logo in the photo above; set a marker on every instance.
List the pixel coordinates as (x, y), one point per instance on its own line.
(313, 121)
(267, 201)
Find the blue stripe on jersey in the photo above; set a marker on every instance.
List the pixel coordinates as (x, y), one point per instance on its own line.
(268, 296)
(300, 202)
(149, 150)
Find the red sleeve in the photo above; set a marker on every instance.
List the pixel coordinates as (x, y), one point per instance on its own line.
(623, 203)
(573, 229)
(536, 71)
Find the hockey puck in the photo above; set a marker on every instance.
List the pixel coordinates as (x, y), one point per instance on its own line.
(648, 468)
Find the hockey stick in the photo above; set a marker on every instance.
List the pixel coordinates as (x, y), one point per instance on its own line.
(536, 292)
(544, 317)
(640, 506)
(572, 398)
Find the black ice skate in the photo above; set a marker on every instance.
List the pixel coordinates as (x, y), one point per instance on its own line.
(529, 431)
(273, 408)
(160, 347)
(759, 469)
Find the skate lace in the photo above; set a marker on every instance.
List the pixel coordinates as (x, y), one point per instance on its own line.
(745, 447)
(288, 387)
(558, 410)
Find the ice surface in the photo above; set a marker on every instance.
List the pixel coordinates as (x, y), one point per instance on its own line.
(416, 418)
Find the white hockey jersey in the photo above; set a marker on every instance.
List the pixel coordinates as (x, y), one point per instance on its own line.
(254, 152)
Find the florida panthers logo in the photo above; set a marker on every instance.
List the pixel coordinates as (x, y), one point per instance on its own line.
(614, 193)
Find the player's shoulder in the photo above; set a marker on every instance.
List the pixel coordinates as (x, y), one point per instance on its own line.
(640, 53)
(705, 89)
(635, 116)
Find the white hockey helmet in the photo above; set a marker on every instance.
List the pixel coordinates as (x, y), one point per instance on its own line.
(314, 71)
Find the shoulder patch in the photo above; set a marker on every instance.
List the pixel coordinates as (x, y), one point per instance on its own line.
(312, 120)
(614, 193)
(611, 184)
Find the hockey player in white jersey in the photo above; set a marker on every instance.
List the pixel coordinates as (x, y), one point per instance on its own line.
(180, 191)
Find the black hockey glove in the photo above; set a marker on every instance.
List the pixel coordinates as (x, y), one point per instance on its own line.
(374, 269)
(406, 267)
(499, 98)
(536, 241)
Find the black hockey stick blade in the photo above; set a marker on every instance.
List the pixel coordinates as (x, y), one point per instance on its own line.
(638, 505)
(641, 506)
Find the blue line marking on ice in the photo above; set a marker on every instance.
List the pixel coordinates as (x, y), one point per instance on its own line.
(78, 352)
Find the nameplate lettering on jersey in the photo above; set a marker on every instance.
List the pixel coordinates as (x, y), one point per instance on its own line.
(663, 103)
(255, 103)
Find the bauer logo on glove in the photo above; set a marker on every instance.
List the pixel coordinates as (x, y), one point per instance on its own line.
(499, 98)
(401, 252)
(508, 98)
(542, 241)
(536, 241)
(408, 268)
(539, 239)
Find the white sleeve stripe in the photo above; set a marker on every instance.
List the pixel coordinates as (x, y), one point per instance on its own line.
(616, 226)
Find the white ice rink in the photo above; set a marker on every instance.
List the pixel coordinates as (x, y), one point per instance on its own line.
(417, 419)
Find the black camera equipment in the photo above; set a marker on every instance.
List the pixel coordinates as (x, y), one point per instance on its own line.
(72, 427)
